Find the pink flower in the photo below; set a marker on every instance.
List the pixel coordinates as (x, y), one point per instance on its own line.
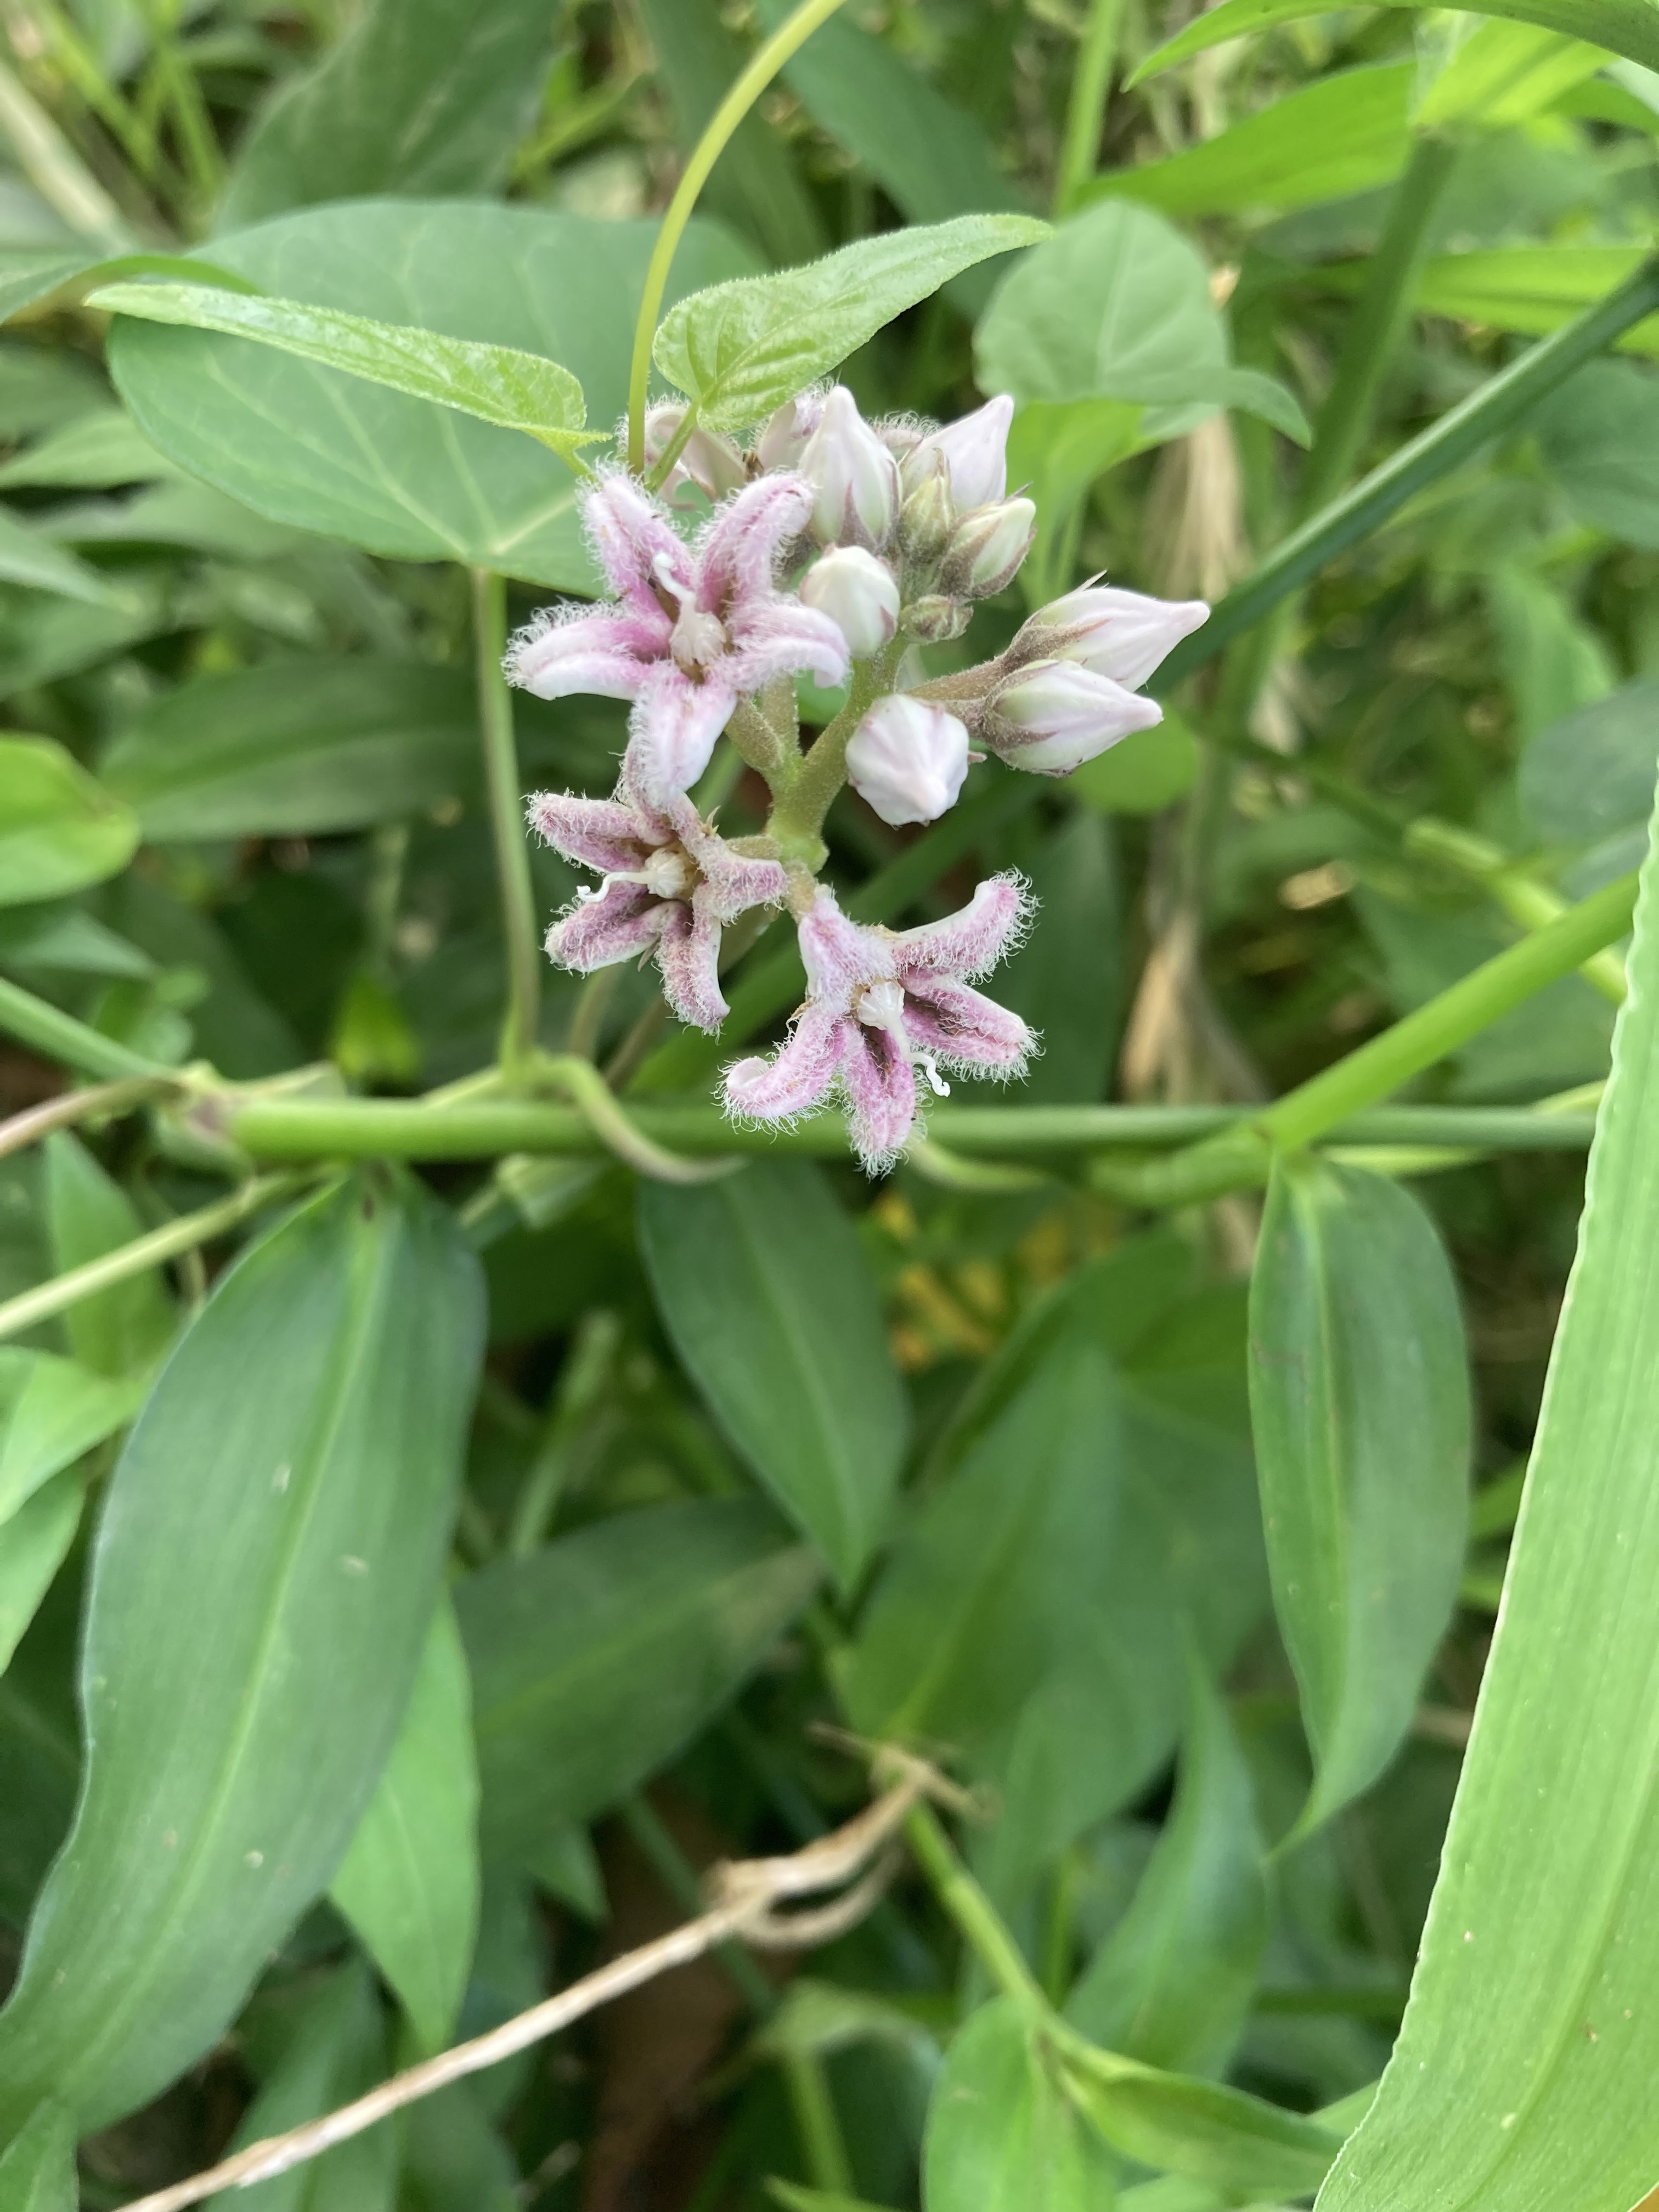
(691, 630)
(670, 886)
(880, 1003)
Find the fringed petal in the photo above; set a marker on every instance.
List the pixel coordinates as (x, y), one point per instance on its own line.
(960, 1027)
(602, 834)
(798, 1075)
(605, 651)
(732, 882)
(837, 955)
(596, 933)
(880, 1087)
(687, 954)
(777, 635)
(636, 545)
(737, 553)
(972, 940)
(673, 729)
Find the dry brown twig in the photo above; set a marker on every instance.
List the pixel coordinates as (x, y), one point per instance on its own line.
(746, 1895)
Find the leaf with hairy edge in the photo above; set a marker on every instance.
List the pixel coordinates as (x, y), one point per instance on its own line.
(765, 1291)
(409, 1884)
(596, 1660)
(1622, 26)
(1360, 1402)
(498, 384)
(263, 1575)
(125, 1328)
(51, 1410)
(60, 830)
(1002, 2129)
(1545, 1922)
(37, 2174)
(34, 1544)
(740, 349)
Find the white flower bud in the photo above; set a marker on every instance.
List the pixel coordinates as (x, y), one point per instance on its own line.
(1054, 715)
(926, 521)
(987, 548)
(858, 593)
(708, 461)
(783, 441)
(1122, 635)
(855, 476)
(975, 452)
(908, 758)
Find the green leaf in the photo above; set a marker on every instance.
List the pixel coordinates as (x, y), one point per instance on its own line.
(1001, 2130)
(29, 278)
(298, 748)
(741, 348)
(1500, 76)
(1173, 1982)
(1622, 26)
(61, 830)
(1075, 1005)
(1340, 135)
(515, 390)
(416, 97)
(409, 1884)
(93, 453)
(51, 1410)
(766, 1293)
(34, 1542)
(1590, 775)
(453, 2161)
(265, 1571)
(122, 1330)
(1237, 2143)
(1116, 305)
(1532, 289)
(1599, 439)
(334, 2048)
(37, 2174)
(1359, 1396)
(28, 556)
(598, 1659)
(1143, 772)
(1543, 1925)
(303, 445)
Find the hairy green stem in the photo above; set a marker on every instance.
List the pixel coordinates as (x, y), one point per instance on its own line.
(1085, 108)
(797, 818)
(762, 69)
(506, 801)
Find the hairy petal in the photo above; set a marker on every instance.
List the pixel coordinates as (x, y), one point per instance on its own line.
(687, 954)
(837, 955)
(606, 652)
(622, 921)
(965, 1029)
(880, 1085)
(636, 545)
(796, 1076)
(737, 553)
(777, 635)
(598, 833)
(732, 882)
(674, 726)
(971, 941)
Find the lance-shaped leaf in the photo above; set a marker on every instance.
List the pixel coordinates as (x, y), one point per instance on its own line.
(1001, 2129)
(498, 384)
(1238, 2143)
(1359, 1398)
(741, 348)
(51, 1410)
(37, 2174)
(1622, 26)
(123, 1330)
(1544, 1924)
(60, 830)
(266, 1566)
(34, 1544)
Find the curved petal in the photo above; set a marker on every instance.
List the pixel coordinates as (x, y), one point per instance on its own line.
(596, 933)
(971, 941)
(965, 1029)
(837, 955)
(674, 726)
(732, 882)
(880, 1085)
(776, 635)
(603, 651)
(796, 1077)
(598, 833)
(738, 553)
(636, 545)
(687, 954)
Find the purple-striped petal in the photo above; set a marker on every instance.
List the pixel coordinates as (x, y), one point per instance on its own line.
(837, 955)
(598, 833)
(880, 1085)
(737, 553)
(796, 1076)
(673, 728)
(687, 954)
(972, 940)
(962, 1028)
(636, 545)
(622, 921)
(777, 635)
(732, 882)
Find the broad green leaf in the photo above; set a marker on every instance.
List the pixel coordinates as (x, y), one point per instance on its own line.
(766, 1293)
(35, 1541)
(1598, 436)
(1545, 1922)
(1252, 2150)
(1173, 1982)
(1360, 1400)
(1341, 134)
(28, 556)
(598, 1659)
(37, 2174)
(1116, 305)
(409, 1884)
(265, 1571)
(123, 1330)
(305, 446)
(1590, 776)
(60, 830)
(515, 390)
(51, 1410)
(741, 348)
(1002, 2131)
(1622, 26)
(416, 97)
(334, 2048)
(1075, 1005)
(1498, 76)
(297, 748)
(93, 453)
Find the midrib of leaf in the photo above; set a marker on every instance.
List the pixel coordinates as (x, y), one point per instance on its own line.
(1330, 1474)
(350, 1360)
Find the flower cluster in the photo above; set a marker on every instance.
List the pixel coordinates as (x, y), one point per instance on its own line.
(829, 548)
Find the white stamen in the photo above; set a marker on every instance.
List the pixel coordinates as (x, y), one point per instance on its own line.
(698, 638)
(669, 872)
(936, 1082)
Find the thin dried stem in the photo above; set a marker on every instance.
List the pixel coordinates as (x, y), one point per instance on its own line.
(69, 1108)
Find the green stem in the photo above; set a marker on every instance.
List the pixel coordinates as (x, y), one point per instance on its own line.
(816, 2122)
(56, 170)
(187, 1233)
(506, 800)
(796, 819)
(976, 1918)
(57, 1035)
(753, 80)
(1513, 886)
(1461, 432)
(70, 1108)
(1091, 84)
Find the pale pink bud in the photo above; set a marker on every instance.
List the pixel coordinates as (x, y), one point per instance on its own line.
(987, 548)
(908, 758)
(857, 592)
(708, 461)
(853, 475)
(1054, 715)
(783, 441)
(974, 451)
(1122, 635)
